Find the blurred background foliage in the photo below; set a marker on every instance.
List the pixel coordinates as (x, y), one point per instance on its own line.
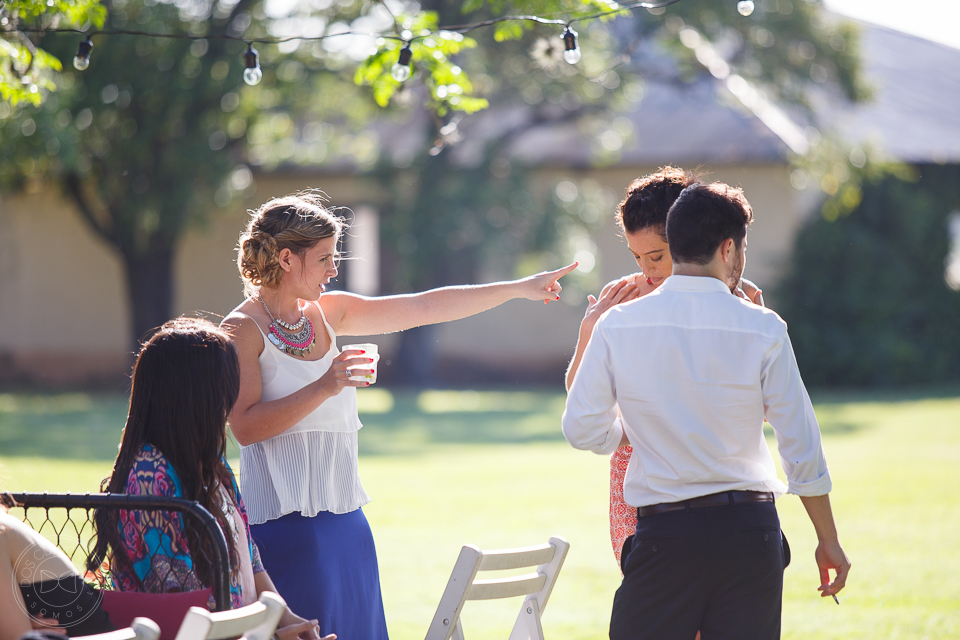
(872, 297)
(157, 135)
(27, 71)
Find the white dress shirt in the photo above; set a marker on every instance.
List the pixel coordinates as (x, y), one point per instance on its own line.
(694, 371)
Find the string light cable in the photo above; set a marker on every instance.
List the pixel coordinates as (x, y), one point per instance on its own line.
(401, 70)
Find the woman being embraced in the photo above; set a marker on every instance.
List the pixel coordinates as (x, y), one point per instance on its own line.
(296, 416)
(641, 218)
(185, 380)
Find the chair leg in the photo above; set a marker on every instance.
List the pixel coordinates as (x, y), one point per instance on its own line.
(527, 626)
(457, 631)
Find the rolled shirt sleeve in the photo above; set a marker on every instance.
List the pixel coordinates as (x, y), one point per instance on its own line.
(590, 418)
(788, 409)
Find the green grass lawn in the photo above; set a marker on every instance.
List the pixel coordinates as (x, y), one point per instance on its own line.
(449, 468)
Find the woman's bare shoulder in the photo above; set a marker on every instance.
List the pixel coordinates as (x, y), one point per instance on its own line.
(243, 327)
(334, 305)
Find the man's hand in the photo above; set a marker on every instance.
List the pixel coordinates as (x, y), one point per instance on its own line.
(830, 555)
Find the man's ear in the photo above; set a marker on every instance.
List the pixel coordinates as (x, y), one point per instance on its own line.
(728, 249)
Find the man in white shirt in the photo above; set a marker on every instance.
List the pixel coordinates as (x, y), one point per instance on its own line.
(693, 371)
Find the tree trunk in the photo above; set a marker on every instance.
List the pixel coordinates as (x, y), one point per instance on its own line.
(150, 291)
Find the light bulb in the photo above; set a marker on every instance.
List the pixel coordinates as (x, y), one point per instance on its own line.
(251, 62)
(82, 60)
(401, 70)
(745, 7)
(571, 52)
(572, 56)
(252, 76)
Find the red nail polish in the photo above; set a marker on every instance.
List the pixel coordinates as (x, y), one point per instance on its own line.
(368, 384)
(649, 281)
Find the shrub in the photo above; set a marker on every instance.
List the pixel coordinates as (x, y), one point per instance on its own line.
(865, 296)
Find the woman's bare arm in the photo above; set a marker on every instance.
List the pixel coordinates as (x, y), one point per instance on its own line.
(12, 610)
(354, 315)
(252, 420)
(614, 293)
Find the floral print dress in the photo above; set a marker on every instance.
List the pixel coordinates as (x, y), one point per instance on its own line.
(156, 542)
(623, 517)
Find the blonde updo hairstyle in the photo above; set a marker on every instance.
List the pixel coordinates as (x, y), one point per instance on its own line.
(296, 222)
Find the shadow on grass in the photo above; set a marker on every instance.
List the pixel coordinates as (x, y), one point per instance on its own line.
(81, 426)
(825, 397)
(417, 420)
(75, 426)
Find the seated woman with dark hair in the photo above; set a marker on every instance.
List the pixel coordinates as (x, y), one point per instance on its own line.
(185, 381)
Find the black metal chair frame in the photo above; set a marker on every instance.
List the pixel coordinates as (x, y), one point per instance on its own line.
(205, 521)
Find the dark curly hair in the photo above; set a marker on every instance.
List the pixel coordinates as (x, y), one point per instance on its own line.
(648, 199)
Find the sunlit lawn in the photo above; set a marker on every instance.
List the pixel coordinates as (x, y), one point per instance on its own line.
(448, 468)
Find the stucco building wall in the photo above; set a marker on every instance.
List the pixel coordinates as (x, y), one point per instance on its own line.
(63, 306)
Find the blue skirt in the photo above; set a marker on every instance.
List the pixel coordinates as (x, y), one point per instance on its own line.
(325, 567)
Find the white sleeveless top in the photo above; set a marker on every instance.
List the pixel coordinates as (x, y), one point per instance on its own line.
(312, 466)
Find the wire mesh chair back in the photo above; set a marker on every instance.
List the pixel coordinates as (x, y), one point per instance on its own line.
(66, 520)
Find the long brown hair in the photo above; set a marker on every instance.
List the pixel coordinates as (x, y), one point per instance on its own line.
(185, 381)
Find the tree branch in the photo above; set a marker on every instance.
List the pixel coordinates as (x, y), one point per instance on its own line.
(73, 186)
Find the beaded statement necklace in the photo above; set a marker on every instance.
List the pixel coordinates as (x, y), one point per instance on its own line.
(296, 339)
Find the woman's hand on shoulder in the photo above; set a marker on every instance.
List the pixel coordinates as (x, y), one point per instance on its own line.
(616, 292)
(750, 292)
(545, 285)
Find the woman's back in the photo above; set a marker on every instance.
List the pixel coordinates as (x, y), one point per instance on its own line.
(157, 543)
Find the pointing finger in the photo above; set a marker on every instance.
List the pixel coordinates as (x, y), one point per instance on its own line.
(562, 271)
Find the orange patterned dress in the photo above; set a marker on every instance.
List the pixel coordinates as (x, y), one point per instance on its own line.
(623, 517)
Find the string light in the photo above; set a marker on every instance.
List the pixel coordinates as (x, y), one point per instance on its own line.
(401, 70)
(571, 50)
(251, 63)
(82, 60)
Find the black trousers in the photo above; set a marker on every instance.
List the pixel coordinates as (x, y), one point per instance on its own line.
(718, 570)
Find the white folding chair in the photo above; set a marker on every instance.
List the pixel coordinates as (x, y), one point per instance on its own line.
(256, 621)
(536, 586)
(139, 629)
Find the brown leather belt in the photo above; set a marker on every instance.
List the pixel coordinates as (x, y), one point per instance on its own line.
(723, 499)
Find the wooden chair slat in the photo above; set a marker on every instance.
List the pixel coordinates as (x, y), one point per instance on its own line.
(516, 558)
(506, 587)
(256, 621)
(139, 629)
(537, 586)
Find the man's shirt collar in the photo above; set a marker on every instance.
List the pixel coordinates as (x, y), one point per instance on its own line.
(694, 283)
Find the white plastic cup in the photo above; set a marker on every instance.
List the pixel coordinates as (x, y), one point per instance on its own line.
(371, 352)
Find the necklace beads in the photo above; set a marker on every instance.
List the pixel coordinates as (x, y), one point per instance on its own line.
(296, 339)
